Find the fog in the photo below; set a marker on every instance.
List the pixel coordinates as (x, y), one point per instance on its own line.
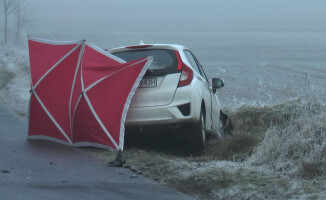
(241, 41)
(179, 15)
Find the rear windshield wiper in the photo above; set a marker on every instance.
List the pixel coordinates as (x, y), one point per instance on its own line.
(149, 72)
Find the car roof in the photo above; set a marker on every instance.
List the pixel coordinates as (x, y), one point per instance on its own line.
(148, 46)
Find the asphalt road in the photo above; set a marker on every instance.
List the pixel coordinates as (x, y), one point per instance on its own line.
(39, 169)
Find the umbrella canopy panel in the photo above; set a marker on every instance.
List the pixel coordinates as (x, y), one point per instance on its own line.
(80, 93)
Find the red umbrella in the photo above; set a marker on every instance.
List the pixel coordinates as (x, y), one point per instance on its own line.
(80, 93)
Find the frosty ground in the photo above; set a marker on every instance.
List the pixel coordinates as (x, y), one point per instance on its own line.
(278, 150)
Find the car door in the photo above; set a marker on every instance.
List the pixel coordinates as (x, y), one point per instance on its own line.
(206, 87)
(215, 103)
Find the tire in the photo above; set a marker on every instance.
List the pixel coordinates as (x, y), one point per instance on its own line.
(226, 125)
(198, 135)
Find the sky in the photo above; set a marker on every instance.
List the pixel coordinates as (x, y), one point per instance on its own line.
(146, 15)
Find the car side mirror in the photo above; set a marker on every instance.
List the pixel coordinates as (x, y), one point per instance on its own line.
(217, 83)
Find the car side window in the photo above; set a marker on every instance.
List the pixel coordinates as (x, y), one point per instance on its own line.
(192, 61)
(200, 68)
(196, 65)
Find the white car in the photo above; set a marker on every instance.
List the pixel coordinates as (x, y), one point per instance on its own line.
(174, 92)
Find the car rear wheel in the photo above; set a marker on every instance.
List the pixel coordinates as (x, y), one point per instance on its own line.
(198, 135)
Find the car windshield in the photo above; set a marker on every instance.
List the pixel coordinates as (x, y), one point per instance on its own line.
(164, 61)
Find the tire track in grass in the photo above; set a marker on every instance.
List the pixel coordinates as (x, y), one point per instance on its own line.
(312, 69)
(298, 72)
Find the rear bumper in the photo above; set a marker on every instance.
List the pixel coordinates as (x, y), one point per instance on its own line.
(156, 115)
(168, 114)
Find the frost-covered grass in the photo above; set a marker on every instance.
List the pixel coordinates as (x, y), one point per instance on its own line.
(299, 147)
(283, 159)
(286, 149)
(15, 77)
(250, 124)
(277, 151)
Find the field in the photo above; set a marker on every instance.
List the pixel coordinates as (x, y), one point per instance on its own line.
(274, 93)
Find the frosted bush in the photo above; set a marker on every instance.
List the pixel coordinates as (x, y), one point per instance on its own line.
(300, 147)
(286, 149)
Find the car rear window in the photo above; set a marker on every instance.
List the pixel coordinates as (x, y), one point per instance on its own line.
(164, 62)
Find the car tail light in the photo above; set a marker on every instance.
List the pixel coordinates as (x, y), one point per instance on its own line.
(186, 76)
(179, 67)
(186, 73)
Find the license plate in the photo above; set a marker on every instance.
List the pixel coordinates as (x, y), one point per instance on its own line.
(148, 83)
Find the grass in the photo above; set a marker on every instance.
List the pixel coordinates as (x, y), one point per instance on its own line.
(312, 169)
(297, 147)
(5, 77)
(250, 125)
